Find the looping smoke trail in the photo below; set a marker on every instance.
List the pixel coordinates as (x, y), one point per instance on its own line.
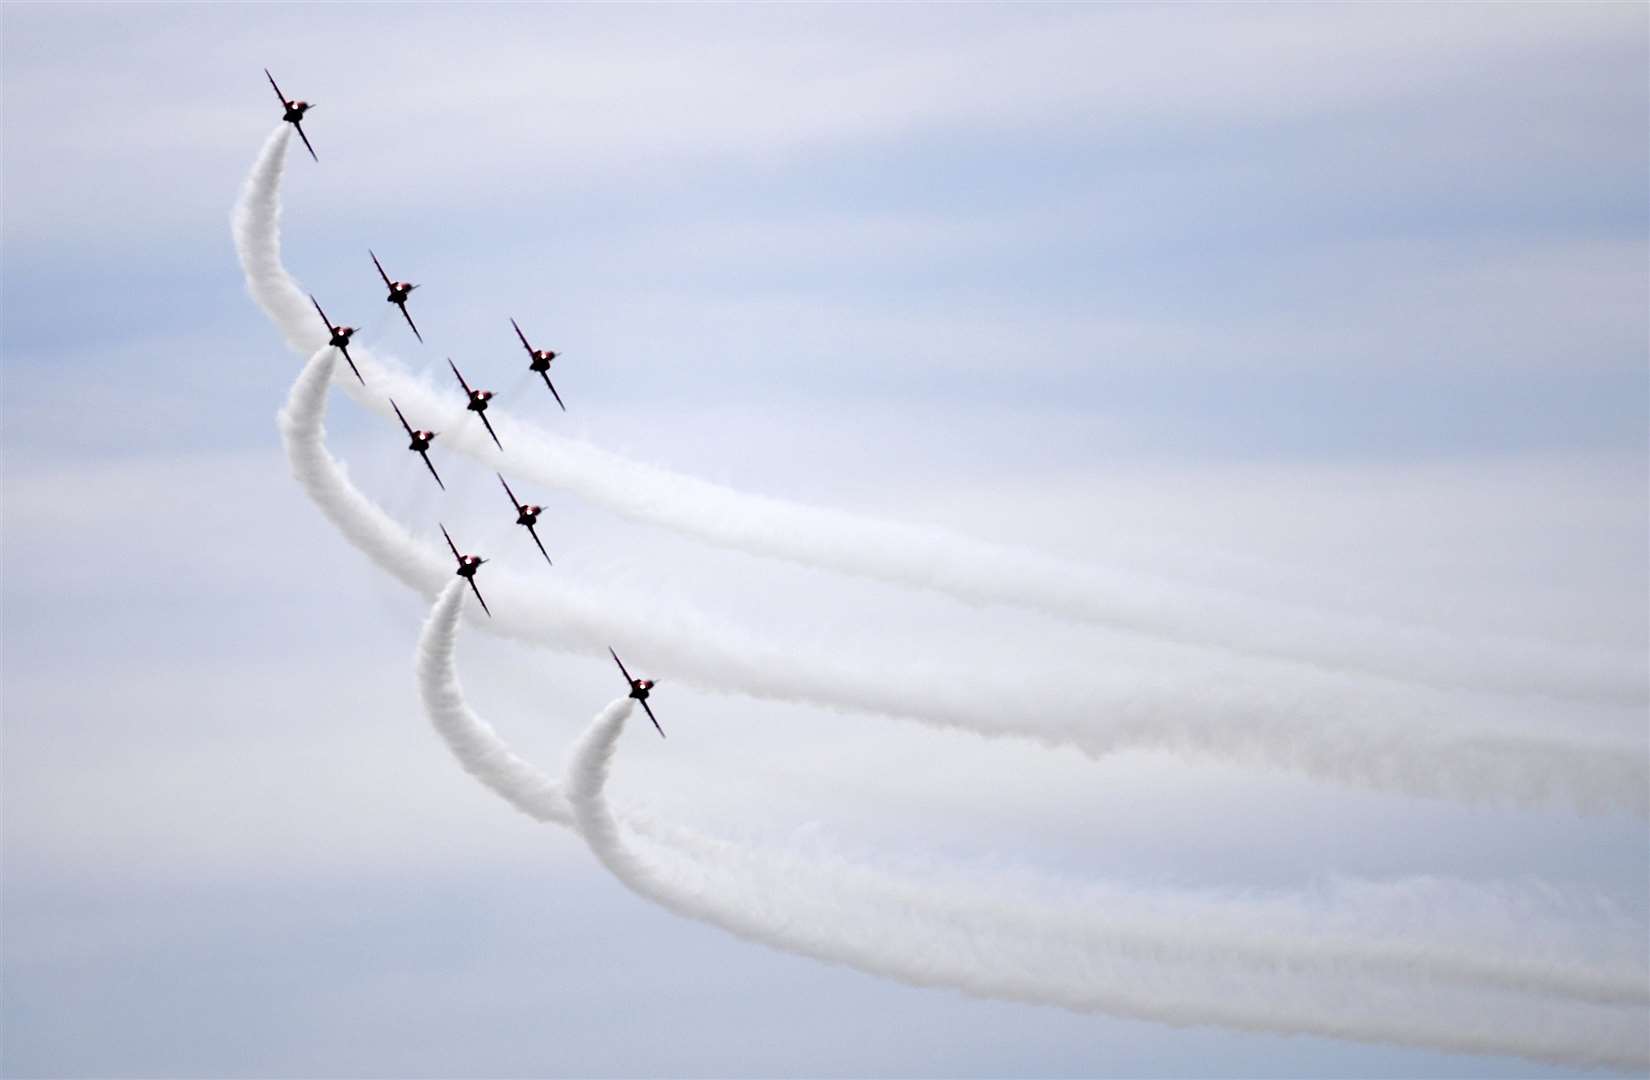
(256, 227)
(471, 739)
(968, 570)
(1169, 984)
(1329, 738)
(1179, 923)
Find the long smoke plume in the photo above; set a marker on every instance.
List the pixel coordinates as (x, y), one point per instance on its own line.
(968, 570)
(1327, 737)
(1181, 978)
(1177, 960)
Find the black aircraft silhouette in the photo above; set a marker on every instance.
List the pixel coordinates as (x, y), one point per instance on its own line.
(467, 567)
(295, 111)
(638, 690)
(478, 402)
(340, 336)
(541, 363)
(398, 294)
(420, 442)
(526, 515)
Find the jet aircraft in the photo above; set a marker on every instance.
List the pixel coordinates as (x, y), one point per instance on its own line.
(399, 291)
(540, 363)
(638, 689)
(340, 336)
(526, 515)
(420, 442)
(295, 111)
(467, 567)
(478, 402)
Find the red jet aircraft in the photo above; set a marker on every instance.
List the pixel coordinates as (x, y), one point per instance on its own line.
(541, 362)
(295, 111)
(467, 567)
(340, 336)
(638, 689)
(478, 402)
(420, 442)
(526, 515)
(398, 295)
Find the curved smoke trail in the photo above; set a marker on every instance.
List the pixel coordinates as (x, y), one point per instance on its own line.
(1176, 980)
(1175, 926)
(968, 570)
(471, 740)
(1329, 737)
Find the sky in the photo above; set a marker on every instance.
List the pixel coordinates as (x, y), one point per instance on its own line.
(1339, 307)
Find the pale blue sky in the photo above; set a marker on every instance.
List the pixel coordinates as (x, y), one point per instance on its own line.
(1296, 294)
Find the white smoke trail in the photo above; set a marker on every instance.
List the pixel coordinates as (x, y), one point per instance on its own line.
(256, 227)
(472, 741)
(1174, 925)
(1369, 743)
(923, 558)
(1176, 980)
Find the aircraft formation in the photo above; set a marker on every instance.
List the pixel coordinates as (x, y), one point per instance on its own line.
(539, 361)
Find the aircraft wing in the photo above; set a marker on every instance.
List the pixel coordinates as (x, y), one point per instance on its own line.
(653, 718)
(490, 430)
(450, 543)
(477, 591)
(425, 454)
(380, 266)
(461, 382)
(515, 502)
(321, 313)
(523, 338)
(345, 350)
(401, 418)
(552, 387)
(404, 315)
(540, 543)
(299, 124)
(628, 680)
(278, 93)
